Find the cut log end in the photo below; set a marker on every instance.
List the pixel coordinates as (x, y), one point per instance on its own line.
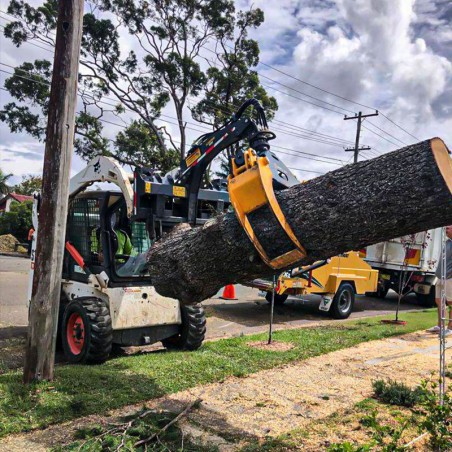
(443, 160)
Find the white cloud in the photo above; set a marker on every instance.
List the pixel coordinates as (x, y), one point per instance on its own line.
(389, 54)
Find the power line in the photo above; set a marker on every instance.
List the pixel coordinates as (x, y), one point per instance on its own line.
(325, 141)
(298, 154)
(387, 133)
(229, 111)
(400, 127)
(273, 146)
(292, 77)
(381, 136)
(320, 139)
(314, 86)
(302, 100)
(96, 100)
(304, 137)
(287, 125)
(338, 96)
(333, 161)
(304, 94)
(279, 83)
(323, 138)
(187, 127)
(306, 171)
(32, 43)
(321, 89)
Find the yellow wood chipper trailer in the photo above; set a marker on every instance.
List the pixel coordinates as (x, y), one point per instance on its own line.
(337, 280)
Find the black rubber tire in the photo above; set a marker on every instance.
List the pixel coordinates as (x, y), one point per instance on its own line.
(279, 299)
(192, 332)
(427, 300)
(338, 310)
(98, 334)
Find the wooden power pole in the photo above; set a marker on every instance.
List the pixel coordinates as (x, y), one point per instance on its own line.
(356, 149)
(40, 352)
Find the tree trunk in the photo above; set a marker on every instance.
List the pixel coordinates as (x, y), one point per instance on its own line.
(400, 193)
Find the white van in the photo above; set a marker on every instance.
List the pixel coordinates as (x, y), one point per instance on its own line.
(412, 260)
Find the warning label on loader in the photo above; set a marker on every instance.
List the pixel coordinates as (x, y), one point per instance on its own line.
(192, 158)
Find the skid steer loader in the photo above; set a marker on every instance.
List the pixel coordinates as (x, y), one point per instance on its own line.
(107, 295)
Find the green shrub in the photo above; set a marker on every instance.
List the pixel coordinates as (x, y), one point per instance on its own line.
(437, 420)
(394, 393)
(17, 221)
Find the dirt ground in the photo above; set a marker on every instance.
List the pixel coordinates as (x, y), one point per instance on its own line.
(272, 402)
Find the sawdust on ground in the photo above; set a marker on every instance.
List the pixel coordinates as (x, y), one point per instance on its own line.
(279, 400)
(274, 346)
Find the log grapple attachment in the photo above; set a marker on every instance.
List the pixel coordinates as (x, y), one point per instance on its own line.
(250, 188)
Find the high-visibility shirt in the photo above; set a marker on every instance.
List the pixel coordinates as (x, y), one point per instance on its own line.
(124, 243)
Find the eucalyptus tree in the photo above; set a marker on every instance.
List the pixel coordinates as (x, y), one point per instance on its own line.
(144, 66)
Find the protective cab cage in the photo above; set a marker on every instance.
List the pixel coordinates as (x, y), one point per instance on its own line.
(183, 195)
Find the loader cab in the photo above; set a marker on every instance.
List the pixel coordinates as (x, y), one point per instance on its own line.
(107, 239)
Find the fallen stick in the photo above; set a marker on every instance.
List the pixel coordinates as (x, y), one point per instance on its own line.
(415, 440)
(167, 426)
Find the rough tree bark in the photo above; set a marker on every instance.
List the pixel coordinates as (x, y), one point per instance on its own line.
(399, 193)
(43, 316)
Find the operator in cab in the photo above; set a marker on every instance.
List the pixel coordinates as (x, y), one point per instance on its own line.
(125, 247)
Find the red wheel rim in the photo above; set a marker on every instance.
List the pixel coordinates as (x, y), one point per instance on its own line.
(75, 333)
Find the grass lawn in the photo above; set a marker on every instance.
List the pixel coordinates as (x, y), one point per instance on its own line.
(82, 390)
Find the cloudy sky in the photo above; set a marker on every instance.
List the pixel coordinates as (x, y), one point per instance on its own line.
(390, 55)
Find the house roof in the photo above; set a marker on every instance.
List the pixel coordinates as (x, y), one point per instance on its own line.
(16, 197)
(21, 198)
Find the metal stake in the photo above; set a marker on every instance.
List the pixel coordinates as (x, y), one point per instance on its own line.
(443, 312)
(270, 332)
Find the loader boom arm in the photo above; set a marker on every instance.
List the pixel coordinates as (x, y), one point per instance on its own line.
(210, 145)
(104, 169)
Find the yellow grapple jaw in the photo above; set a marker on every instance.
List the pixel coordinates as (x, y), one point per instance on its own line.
(251, 187)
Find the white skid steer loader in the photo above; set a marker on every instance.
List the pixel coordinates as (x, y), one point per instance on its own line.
(107, 295)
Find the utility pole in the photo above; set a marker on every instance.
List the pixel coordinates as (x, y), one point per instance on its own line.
(359, 117)
(43, 312)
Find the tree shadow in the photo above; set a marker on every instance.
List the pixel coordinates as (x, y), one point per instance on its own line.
(10, 332)
(78, 390)
(254, 313)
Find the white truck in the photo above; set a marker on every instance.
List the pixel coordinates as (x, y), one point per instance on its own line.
(408, 264)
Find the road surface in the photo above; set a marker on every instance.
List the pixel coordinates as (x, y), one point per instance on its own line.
(13, 291)
(248, 314)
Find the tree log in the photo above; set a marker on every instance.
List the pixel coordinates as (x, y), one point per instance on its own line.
(399, 193)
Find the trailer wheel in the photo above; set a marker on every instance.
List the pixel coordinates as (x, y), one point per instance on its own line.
(86, 331)
(193, 329)
(343, 302)
(427, 300)
(280, 299)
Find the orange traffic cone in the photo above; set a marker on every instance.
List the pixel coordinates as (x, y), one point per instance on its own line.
(229, 292)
